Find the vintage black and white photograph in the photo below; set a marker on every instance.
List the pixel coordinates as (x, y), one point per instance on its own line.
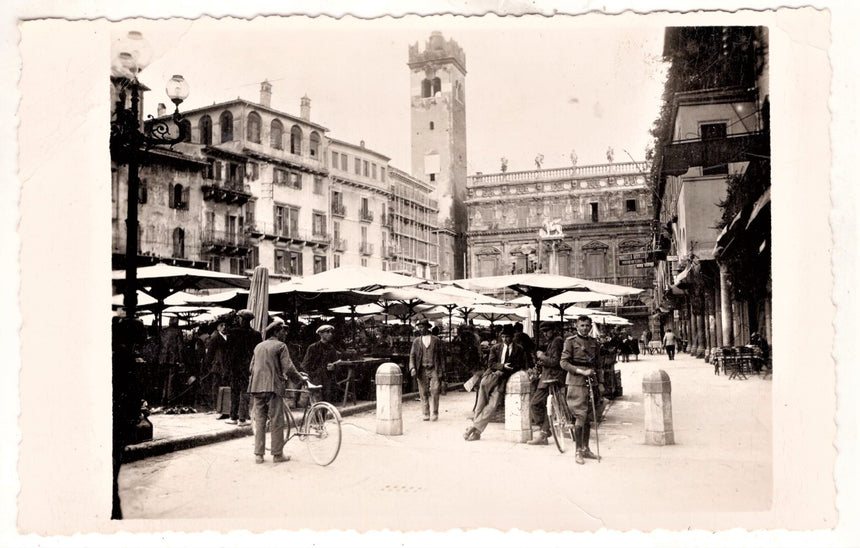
(449, 273)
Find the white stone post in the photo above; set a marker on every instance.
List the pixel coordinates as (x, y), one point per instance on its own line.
(518, 415)
(389, 400)
(657, 401)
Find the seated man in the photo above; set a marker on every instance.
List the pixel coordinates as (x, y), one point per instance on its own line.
(505, 358)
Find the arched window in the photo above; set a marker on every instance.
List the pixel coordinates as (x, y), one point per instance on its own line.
(205, 127)
(226, 122)
(315, 144)
(179, 243)
(254, 124)
(276, 134)
(185, 126)
(437, 85)
(296, 140)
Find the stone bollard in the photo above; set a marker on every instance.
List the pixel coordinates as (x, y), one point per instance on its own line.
(389, 400)
(518, 415)
(657, 401)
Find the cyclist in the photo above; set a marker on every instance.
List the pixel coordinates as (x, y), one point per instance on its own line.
(551, 370)
(579, 359)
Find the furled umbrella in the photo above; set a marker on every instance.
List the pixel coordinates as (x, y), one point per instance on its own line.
(258, 299)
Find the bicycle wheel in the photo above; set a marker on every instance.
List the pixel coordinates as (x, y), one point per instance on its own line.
(557, 420)
(321, 431)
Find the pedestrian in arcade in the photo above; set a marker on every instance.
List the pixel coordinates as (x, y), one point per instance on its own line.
(505, 358)
(271, 365)
(550, 370)
(319, 361)
(426, 364)
(579, 359)
(669, 340)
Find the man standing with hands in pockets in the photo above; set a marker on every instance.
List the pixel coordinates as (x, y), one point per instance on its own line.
(579, 359)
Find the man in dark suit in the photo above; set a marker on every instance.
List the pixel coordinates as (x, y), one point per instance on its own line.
(427, 364)
(217, 348)
(505, 358)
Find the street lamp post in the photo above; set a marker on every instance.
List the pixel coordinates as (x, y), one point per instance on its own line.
(131, 55)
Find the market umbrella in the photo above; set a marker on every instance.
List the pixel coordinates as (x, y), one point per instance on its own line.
(464, 300)
(495, 314)
(258, 299)
(354, 277)
(539, 287)
(566, 300)
(160, 281)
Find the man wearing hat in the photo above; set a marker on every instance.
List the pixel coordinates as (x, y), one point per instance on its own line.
(549, 362)
(241, 340)
(319, 360)
(426, 364)
(505, 358)
(270, 366)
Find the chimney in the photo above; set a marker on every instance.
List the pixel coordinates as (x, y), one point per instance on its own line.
(161, 110)
(306, 108)
(266, 94)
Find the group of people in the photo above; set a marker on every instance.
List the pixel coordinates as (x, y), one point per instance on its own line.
(572, 361)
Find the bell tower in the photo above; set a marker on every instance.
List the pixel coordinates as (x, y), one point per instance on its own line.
(438, 110)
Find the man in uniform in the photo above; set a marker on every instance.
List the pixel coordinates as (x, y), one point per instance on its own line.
(551, 370)
(579, 359)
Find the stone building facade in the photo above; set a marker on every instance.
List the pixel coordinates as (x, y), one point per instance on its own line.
(576, 221)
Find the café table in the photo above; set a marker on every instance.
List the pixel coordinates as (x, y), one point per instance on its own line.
(361, 372)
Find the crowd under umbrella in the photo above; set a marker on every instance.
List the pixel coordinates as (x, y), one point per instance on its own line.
(539, 287)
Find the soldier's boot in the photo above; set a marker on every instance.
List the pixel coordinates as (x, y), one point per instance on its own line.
(577, 435)
(586, 451)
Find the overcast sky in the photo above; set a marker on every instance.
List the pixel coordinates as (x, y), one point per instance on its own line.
(533, 85)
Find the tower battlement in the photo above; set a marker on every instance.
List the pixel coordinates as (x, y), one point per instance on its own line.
(437, 49)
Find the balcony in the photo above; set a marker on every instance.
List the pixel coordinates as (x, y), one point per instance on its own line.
(226, 192)
(338, 210)
(365, 215)
(680, 156)
(365, 248)
(284, 234)
(222, 242)
(340, 244)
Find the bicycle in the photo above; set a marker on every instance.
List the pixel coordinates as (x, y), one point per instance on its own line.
(560, 420)
(319, 427)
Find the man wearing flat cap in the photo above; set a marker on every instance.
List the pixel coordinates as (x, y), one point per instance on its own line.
(426, 363)
(505, 358)
(319, 360)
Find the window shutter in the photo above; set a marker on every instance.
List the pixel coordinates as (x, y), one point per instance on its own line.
(185, 195)
(218, 171)
(170, 196)
(241, 175)
(301, 269)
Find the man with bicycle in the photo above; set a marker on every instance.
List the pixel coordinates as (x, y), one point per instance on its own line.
(270, 365)
(550, 372)
(579, 358)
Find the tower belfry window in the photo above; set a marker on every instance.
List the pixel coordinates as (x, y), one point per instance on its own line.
(432, 126)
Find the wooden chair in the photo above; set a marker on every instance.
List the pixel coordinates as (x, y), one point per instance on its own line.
(347, 387)
(745, 360)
